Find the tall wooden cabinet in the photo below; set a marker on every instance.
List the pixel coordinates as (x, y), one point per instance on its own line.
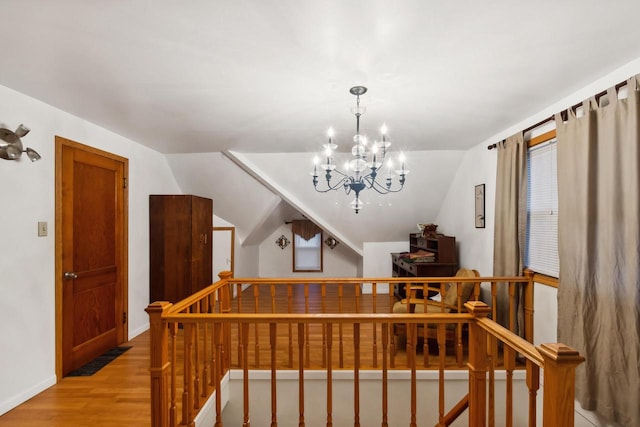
(180, 252)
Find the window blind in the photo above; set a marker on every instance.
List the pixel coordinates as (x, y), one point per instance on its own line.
(541, 253)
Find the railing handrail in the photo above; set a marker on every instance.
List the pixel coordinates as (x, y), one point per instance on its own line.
(290, 318)
(519, 344)
(355, 280)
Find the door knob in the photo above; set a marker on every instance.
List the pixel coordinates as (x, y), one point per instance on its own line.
(70, 275)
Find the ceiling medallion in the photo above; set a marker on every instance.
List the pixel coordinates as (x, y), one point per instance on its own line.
(363, 170)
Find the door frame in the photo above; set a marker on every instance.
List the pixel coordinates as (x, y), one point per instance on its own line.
(232, 239)
(124, 271)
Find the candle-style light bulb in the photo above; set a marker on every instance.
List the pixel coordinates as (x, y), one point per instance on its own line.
(327, 151)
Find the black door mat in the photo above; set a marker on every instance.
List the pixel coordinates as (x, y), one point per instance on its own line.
(98, 363)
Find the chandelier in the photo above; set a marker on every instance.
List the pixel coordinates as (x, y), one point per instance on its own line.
(364, 169)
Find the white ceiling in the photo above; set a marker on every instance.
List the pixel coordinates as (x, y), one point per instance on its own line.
(255, 76)
(271, 76)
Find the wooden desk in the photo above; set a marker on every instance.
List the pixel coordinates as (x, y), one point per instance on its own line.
(445, 264)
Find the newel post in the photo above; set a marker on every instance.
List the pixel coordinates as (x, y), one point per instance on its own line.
(560, 363)
(159, 364)
(477, 364)
(225, 307)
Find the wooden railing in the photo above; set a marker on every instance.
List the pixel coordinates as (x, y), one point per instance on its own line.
(195, 342)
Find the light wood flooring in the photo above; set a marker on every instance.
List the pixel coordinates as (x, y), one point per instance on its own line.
(117, 395)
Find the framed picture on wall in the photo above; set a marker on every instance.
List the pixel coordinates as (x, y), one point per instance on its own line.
(479, 206)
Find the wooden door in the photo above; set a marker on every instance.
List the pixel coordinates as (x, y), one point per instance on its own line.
(91, 230)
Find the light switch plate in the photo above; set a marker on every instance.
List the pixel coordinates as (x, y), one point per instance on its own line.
(42, 228)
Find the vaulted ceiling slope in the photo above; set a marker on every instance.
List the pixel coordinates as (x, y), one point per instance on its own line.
(265, 79)
(266, 76)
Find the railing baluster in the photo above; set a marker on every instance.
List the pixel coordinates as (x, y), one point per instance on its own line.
(340, 337)
(187, 390)
(494, 300)
(290, 326)
(385, 343)
(492, 355)
(533, 384)
(306, 327)
(274, 380)
(509, 365)
(512, 307)
(217, 370)
(244, 338)
(196, 362)
(256, 332)
(441, 334)
(374, 326)
(323, 297)
(356, 374)
(329, 375)
(425, 326)
(205, 352)
(392, 287)
(458, 327)
(239, 296)
(412, 338)
(301, 422)
(173, 405)
(272, 289)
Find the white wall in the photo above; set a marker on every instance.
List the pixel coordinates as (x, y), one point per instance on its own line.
(377, 261)
(276, 262)
(27, 283)
(456, 216)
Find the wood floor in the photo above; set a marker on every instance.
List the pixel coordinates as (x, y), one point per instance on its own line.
(117, 395)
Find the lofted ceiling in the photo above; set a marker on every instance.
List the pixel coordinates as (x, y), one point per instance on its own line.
(262, 80)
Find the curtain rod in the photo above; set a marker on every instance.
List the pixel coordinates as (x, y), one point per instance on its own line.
(563, 113)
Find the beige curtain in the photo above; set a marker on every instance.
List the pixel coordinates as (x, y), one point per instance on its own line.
(304, 228)
(599, 248)
(510, 224)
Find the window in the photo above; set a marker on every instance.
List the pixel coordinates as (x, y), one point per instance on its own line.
(307, 254)
(541, 253)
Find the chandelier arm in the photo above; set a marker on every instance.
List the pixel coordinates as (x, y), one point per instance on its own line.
(335, 187)
(383, 189)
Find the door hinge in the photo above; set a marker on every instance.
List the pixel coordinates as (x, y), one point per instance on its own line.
(124, 317)
(124, 184)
